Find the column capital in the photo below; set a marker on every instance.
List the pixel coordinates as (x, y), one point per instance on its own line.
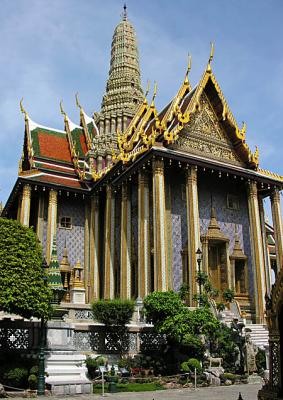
(191, 174)
(53, 196)
(143, 178)
(26, 190)
(125, 191)
(275, 196)
(158, 166)
(252, 189)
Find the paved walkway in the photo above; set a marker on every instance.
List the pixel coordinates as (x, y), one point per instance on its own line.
(249, 392)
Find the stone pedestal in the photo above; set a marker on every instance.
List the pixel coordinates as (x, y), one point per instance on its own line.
(65, 367)
(78, 295)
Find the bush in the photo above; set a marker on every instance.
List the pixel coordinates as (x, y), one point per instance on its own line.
(92, 365)
(260, 360)
(184, 291)
(32, 381)
(34, 370)
(220, 307)
(228, 376)
(228, 295)
(16, 377)
(100, 360)
(191, 365)
(113, 312)
(161, 305)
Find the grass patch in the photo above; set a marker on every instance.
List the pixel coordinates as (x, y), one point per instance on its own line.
(131, 387)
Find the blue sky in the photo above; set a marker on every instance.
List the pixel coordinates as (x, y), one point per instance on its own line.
(51, 49)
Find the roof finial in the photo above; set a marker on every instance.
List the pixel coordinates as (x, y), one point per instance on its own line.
(22, 108)
(210, 56)
(154, 91)
(125, 16)
(147, 88)
(62, 110)
(189, 63)
(77, 102)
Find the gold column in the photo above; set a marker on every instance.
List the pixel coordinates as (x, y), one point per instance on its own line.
(267, 266)
(257, 252)
(40, 217)
(51, 222)
(94, 249)
(109, 245)
(204, 246)
(193, 227)
(159, 228)
(19, 211)
(125, 266)
(87, 251)
(144, 236)
(278, 228)
(25, 206)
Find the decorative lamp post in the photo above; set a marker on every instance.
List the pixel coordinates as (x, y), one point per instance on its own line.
(199, 258)
(41, 356)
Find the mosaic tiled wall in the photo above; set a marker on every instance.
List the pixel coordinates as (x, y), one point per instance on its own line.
(215, 189)
(179, 227)
(74, 237)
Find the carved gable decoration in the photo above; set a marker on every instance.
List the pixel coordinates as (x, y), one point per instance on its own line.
(204, 136)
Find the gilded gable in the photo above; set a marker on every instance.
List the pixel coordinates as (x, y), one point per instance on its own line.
(204, 135)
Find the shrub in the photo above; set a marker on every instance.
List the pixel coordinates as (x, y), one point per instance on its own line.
(32, 381)
(228, 376)
(161, 305)
(113, 312)
(123, 363)
(220, 307)
(34, 370)
(16, 377)
(191, 365)
(184, 291)
(92, 365)
(100, 360)
(228, 295)
(261, 360)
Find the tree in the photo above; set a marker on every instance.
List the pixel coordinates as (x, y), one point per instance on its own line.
(23, 290)
(186, 329)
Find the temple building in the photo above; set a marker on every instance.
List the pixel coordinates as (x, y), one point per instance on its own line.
(130, 193)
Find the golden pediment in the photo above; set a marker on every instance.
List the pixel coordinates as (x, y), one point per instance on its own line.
(204, 135)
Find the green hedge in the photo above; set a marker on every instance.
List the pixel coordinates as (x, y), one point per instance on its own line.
(113, 312)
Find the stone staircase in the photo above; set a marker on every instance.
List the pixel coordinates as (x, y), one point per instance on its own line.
(259, 334)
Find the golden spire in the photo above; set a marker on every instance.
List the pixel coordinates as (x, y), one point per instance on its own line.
(78, 103)
(22, 108)
(125, 15)
(62, 111)
(154, 94)
(189, 65)
(211, 55)
(147, 88)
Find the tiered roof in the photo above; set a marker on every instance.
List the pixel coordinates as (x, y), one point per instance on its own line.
(69, 157)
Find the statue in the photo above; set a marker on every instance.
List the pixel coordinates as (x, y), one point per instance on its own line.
(250, 351)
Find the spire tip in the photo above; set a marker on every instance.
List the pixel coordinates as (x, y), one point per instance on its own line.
(125, 15)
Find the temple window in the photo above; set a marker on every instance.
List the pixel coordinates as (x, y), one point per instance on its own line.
(233, 202)
(66, 222)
